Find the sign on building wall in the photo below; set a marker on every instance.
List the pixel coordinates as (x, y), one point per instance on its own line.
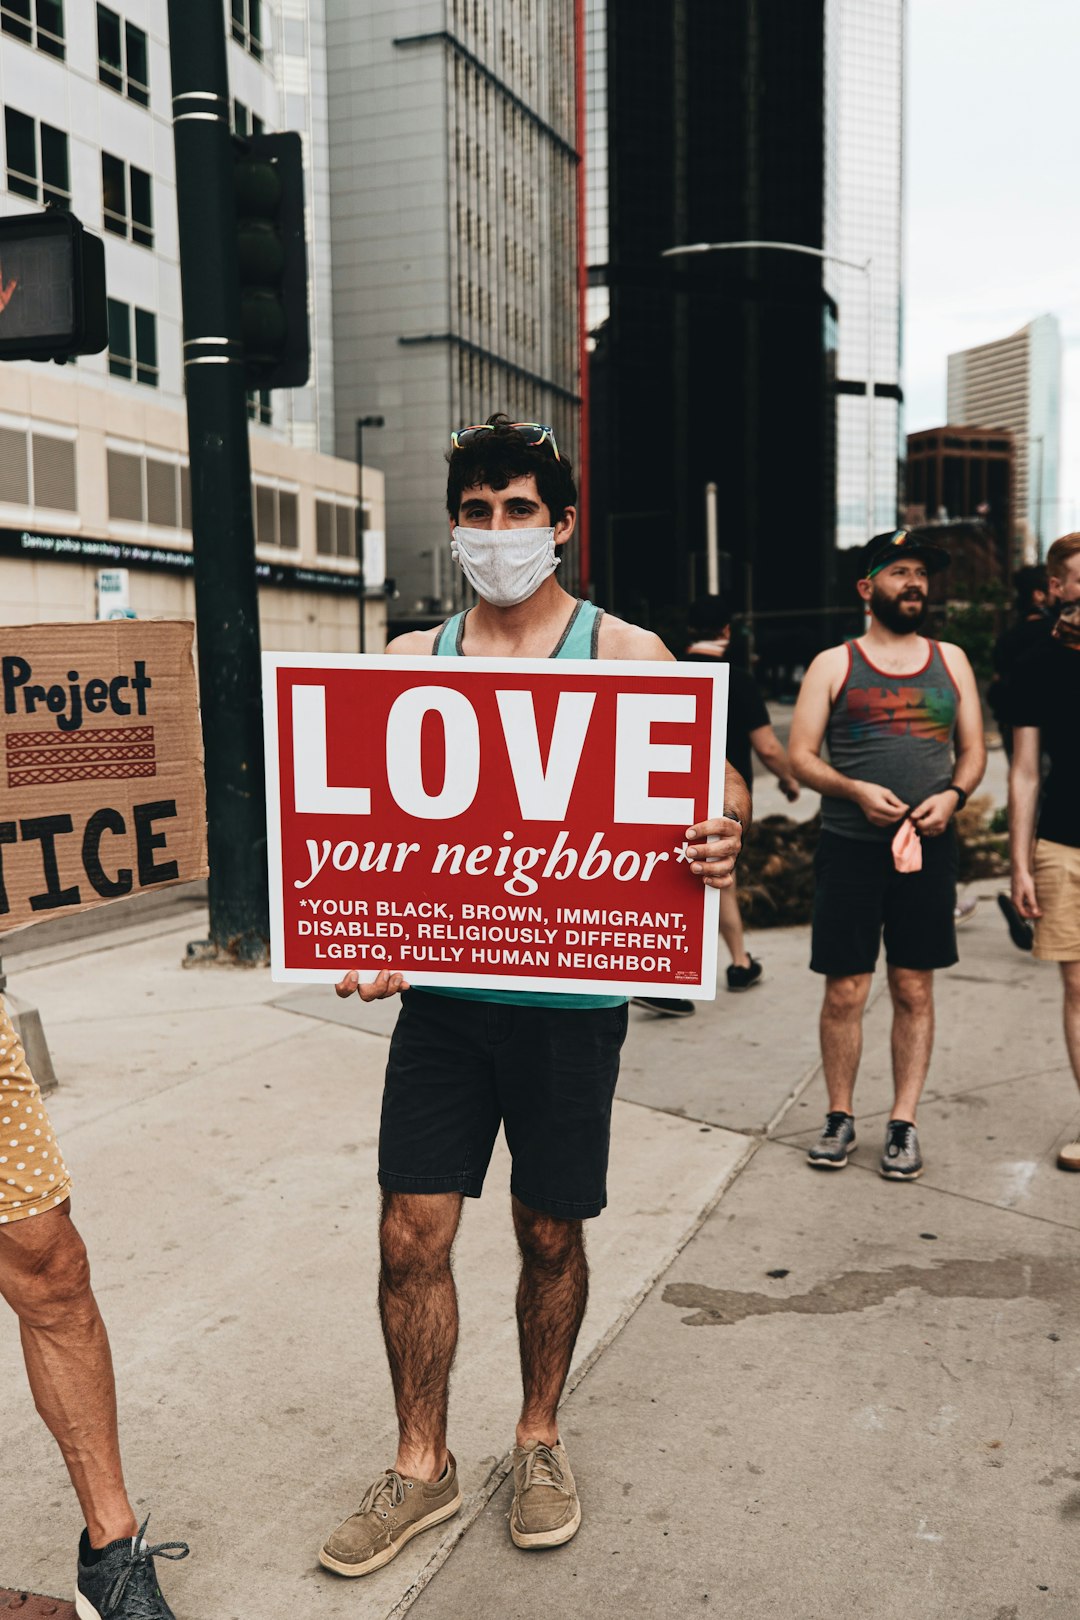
(492, 822)
(101, 766)
(114, 594)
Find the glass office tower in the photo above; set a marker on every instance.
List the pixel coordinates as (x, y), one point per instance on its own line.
(724, 123)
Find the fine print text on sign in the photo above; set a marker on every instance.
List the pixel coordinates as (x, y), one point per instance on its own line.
(101, 780)
(493, 823)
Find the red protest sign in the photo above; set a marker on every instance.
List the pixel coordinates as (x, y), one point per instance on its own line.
(492, 823)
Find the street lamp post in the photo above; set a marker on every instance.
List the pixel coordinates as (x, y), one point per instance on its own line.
(866, 268)
(362, 422)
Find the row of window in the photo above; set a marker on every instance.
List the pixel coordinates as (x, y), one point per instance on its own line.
(38, 168)
(123, 54)
(38, 469)
(40, 24)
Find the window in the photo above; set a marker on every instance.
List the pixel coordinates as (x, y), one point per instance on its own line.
(246, 26)
(240, 118)
(259, 408)
(143, 363)
(19, 17)
(35, 150)
(124, 474)
(146, 364)
(119, 185)
(119, 339)
(54, 472)
(123, 63)
(335, 529)
(276, 520)
(40, 462)
(161, 493)
(148, 489)
(14, 467)
(138, 65)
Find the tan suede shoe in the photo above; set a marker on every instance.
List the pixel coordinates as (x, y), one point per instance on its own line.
(1069, 1156)
(395, 1509)
(546, 1510)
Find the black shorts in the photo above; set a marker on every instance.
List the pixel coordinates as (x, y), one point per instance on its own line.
(859, 893)
(458, 1069)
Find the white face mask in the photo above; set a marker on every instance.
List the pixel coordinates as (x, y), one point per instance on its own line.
(505, 566)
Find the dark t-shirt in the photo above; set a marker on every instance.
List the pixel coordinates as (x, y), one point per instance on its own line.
(1009, 649)
(746, 712)
(1046, 693)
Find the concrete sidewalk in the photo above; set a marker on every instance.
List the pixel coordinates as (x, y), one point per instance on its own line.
(877, 1429)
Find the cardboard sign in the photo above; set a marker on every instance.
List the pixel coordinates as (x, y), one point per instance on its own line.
(101, 778)
(493, 823)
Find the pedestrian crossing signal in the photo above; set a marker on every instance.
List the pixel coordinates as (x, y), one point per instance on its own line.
(52, 288)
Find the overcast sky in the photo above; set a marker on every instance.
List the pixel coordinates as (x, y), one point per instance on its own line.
(992, 195)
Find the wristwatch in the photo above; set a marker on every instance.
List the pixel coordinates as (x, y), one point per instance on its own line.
(961, 795)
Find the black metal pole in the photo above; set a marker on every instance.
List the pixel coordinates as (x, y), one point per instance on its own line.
(226, 595)
(362, 422)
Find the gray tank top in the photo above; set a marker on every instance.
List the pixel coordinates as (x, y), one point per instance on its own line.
(895, 730)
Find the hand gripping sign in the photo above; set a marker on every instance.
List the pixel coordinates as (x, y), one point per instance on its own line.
(493, 823)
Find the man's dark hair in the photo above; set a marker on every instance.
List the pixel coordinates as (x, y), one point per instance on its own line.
(1026, 581)
(496, 458)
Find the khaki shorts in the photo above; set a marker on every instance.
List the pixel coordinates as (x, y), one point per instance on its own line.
(1057, 889)
(33, 1175)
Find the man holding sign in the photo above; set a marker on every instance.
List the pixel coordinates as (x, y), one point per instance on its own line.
(464, 1060)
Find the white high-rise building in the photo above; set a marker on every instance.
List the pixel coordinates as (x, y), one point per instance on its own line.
(1015, 383)
(453, 189)
(866, 39)
(93, 455)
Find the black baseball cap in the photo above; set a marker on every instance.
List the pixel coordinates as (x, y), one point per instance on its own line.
(887, 548)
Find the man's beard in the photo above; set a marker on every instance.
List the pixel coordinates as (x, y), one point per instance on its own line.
(892, 612)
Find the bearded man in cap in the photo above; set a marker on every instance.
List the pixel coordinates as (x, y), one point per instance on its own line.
(903, 723)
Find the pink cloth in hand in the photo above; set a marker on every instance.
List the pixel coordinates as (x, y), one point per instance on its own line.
(907, 848)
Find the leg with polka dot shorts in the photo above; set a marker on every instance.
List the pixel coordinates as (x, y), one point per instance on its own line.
(33, 1175)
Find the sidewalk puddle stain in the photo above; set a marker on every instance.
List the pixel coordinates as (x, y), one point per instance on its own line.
(1004, 1278)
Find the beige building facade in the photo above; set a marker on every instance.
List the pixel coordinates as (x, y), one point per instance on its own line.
(92, 478)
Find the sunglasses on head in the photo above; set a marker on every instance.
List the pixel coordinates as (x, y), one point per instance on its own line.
(533, 433)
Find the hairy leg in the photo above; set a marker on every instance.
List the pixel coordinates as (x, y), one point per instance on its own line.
(553, 1291)
(45, 1278)
(912, 993)
(1070, 977)
(418, 1307)
(841, 1036)
(731, 927)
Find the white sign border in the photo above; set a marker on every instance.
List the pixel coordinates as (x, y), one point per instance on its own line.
(649, 668)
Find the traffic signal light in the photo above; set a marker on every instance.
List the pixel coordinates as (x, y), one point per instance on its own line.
(272, 260)
(52, 288)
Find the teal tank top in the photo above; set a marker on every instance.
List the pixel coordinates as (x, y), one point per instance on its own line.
(580, 639)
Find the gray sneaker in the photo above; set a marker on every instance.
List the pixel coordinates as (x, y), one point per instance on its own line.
(837, 1140)
(394, 1510)
(901, 1160)
(546, 1510)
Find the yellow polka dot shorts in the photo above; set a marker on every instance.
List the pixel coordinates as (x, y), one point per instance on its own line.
(33, 1175)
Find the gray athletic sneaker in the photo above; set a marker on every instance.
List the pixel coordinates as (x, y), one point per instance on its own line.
(546, 1510)
(901, 1160)
(837, 1140)
(395, 1509)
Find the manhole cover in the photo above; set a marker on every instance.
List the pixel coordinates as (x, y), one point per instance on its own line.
(32, 1606)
